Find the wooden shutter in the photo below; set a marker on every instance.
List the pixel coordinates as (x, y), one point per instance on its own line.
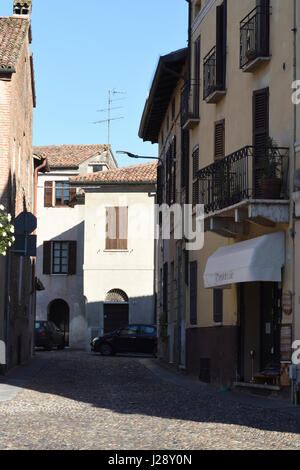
(159, 184)
(195, 162)
(111, 228)
(173, 171)
(196, 84)
(47, 258)
(72, 196)
(72, 257)
(122, 228)
(186, 267)
(221, 46)
(261, 118)
(193, 292)
(220, 139)
(218, 305)
(48, 189)
(263, 27)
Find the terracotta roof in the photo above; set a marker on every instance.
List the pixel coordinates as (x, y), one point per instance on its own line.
(12, 34)
(69, 155)
(143, 173)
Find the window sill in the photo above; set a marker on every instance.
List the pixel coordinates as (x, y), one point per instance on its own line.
(116, 251)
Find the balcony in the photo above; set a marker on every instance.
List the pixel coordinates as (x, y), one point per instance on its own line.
(189, 107)
(254, 39)
(213, 91)
(250, 185)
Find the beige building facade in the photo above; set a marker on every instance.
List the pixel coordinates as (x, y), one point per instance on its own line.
(235, 139)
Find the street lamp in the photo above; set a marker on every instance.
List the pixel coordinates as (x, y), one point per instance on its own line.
(132, 155)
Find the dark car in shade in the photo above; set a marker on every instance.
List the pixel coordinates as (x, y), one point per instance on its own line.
(128, 339)
(48, 336)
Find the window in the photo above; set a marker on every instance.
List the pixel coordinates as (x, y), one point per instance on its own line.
(171, 173)
(116, 228)
(193, 292)
(218, 305)
(97, 168)
(195, 158)
(58, 194)
(59, 257)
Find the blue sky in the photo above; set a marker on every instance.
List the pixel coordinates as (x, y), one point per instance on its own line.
(84, 48)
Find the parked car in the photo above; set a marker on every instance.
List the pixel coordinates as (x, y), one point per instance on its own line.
(130, 338)
(48, 336)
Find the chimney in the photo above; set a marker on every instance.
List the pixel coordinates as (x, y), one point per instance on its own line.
(22, 7)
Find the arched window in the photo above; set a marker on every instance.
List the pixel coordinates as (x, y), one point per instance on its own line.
(116, 295)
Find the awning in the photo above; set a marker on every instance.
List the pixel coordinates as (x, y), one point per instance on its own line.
(259, 259)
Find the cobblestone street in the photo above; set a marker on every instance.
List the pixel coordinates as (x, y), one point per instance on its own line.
(80, 401)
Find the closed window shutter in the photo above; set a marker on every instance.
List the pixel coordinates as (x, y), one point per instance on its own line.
(196, 84)
(111, 228)
(48, 189)
(193, 292)
(166, 289)
(72, 196)
(263, 27)
(122, 228)
(173, 191)
(221, 46)
(159, 184)
(261, 118)
(218, 305)
(72, 257)
(220, 139)
(47, 258)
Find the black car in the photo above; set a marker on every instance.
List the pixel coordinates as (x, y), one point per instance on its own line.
(48, 336)
(130, 338)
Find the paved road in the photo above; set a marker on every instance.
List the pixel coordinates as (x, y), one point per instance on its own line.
(79, 401)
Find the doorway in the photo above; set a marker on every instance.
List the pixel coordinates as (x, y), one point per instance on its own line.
(115, 316)
(59, 313)
(260, 319)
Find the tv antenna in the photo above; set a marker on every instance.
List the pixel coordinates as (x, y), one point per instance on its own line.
(109, 110)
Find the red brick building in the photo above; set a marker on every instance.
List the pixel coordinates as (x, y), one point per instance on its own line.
(17, 100)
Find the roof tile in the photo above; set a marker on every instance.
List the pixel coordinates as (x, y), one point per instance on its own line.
(69, 155)
(12, 34)
(143, 173)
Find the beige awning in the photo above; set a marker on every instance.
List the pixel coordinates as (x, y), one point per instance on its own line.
(258, 259)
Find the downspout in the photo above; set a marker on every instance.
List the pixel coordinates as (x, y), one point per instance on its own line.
(189, 41)
(33, 311)
(293, 186)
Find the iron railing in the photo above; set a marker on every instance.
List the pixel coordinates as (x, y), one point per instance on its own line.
(249, 173)
(254, 35)
(209, 72)
(189, 102)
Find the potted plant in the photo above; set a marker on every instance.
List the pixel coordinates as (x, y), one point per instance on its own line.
(268, 171)
(251, 54)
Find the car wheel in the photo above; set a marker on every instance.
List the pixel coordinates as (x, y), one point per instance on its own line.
(106, 349)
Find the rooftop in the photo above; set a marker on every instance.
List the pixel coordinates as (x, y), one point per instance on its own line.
(61, 156)
(143, 173)
(12, 34)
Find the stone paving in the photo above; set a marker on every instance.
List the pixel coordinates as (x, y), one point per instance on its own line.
(78, 400)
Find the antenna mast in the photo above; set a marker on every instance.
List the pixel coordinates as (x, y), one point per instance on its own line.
(109, 109)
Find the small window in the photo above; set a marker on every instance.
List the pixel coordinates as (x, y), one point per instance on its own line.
(97, 168)
(60, 258)
(218, 305)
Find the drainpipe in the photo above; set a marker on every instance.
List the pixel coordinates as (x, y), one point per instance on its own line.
(189, 40)
(294, 383)
(36, 171)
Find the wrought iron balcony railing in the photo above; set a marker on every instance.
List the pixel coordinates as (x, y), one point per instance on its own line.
(210, 80)
(254, 35)
(189, 107)
(249, 173)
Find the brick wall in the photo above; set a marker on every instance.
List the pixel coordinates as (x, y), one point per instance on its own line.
(16, 193)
